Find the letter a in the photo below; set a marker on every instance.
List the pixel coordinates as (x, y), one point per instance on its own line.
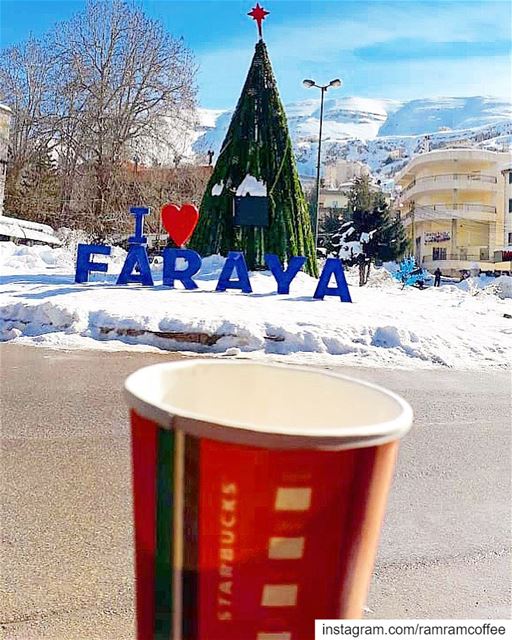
(235, 262)
(333, 267)
(137, 255)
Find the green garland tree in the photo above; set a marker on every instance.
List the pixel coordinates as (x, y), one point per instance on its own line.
(257, 144)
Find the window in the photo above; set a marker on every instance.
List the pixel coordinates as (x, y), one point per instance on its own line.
(510, 177)
(438, 253)
(510, 205)
(510, 237)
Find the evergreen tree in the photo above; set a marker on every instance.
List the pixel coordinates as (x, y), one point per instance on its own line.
(257, 144)
(371, 233)
(35, 196)
(329, 227)
(380, 232)
(370, 213)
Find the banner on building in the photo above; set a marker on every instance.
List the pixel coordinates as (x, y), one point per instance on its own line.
(437, 236)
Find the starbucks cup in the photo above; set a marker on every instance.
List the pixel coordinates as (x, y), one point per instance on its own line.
(259, 492)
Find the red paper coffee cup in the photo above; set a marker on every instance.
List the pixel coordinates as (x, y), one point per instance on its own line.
(259, 492)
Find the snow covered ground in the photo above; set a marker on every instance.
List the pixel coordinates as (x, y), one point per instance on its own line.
(460, 326)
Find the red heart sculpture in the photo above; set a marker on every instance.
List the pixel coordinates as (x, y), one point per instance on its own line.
(180, 223)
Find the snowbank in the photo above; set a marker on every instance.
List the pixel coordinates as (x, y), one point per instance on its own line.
(486, 285)
(24, 259)
(250, 186)
(385, 326)
(32, 259)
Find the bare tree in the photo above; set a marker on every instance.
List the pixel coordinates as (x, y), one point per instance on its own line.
(107, 84)
(26, 86)
(124, 76)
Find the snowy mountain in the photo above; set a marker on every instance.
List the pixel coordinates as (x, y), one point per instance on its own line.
(429, 116)
(376, 131)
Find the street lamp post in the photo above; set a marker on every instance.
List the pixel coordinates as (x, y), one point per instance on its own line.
(308, 84)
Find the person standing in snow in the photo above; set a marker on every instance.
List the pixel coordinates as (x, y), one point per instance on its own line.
(437, 277)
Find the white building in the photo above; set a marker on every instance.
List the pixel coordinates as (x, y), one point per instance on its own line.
(507, 176)
(342, 172)
(457, 208)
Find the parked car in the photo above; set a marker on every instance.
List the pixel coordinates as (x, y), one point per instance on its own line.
(26, 232)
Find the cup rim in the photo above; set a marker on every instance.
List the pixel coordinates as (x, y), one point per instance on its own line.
(166, 415)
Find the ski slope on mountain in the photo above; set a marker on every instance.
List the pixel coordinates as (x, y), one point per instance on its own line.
(432, 116)
(368, 130)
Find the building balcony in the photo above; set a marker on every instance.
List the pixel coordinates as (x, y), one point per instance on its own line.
(478, 212)
(449, 182)
(446, 159)
(470, 255)
(456, 267)
(461, 260)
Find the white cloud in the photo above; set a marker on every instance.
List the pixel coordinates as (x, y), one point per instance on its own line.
(323, 48)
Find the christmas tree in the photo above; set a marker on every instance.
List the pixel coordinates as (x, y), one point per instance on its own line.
(254, 200)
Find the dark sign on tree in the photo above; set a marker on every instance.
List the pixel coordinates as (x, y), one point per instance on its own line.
(250, 211)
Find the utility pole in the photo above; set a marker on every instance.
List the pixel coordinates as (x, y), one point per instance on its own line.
(317, 197)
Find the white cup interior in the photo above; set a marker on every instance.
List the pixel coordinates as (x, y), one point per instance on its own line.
(268, 399)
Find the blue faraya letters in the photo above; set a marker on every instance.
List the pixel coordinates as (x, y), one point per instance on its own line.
(234, 274)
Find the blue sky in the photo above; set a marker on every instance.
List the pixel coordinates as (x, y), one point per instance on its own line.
(400, 50)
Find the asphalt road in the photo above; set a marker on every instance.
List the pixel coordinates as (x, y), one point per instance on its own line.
(66, 563)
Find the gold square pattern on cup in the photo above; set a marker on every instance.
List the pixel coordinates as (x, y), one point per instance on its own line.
(286, 548)
(293, 499)
(279, 595)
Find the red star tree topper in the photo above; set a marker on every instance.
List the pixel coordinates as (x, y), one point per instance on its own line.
(258, 13)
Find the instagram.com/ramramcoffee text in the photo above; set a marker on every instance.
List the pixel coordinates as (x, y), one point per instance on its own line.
(439, 629)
